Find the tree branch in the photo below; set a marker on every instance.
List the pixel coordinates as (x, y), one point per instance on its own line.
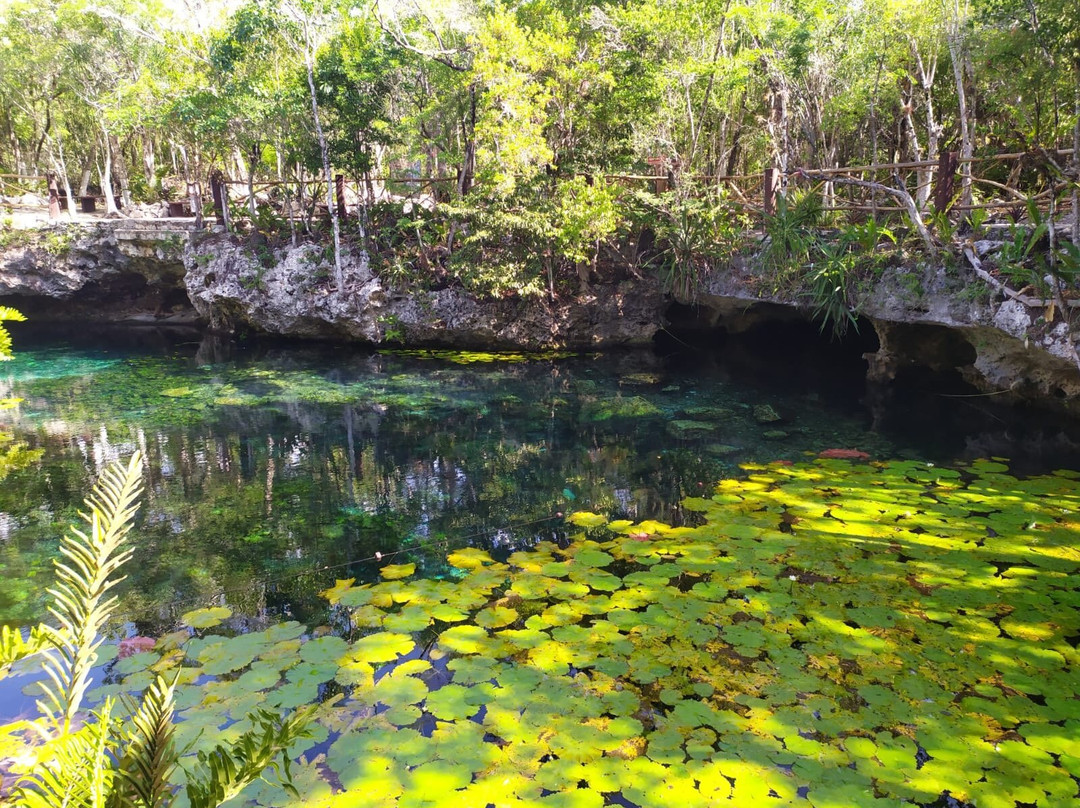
(897, 193)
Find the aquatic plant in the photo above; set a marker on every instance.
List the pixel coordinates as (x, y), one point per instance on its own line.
(100, 760)
(12, 315)
(829, 634)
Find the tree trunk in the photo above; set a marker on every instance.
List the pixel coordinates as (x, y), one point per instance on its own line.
(468, 164)
(958, 56)
(251, 189)
(16, 149)
(1074, 234)
(778, 124)
(61, 165)
(149, 163)
(251, 183)
(106, 176)
(309, 59)
(736, 138)
(925, 73)
(120, 169)
(88, 166)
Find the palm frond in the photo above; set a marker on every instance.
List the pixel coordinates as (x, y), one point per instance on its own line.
(78, 769)
(7, 313)
(15, 646)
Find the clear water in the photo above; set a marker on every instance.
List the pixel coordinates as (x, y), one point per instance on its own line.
(835, 633)
(272, 470)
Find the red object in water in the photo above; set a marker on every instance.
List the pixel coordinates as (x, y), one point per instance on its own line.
(844, 454)
(129, 646)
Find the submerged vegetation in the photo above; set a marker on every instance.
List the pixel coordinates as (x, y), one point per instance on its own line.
(277, 466)
(826, 634)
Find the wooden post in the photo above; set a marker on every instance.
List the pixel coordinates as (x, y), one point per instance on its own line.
(195, 199)
(772, 187)
(339, 192)
(217, 190)
(54, 197)
(945, 181)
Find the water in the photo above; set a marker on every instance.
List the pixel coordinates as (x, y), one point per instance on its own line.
(269, 464)
(829, 633)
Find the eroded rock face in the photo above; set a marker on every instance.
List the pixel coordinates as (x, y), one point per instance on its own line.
(928, 318)
(113, 271)
(139, 271)
(291, 292)
(995, 344)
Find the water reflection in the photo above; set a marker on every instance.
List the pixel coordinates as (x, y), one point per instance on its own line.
(273, 471)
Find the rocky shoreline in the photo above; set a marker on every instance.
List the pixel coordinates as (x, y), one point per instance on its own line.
(160, 272)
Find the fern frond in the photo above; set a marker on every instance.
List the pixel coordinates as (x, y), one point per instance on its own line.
(81, 605)
(7, 313)
(75, 769)
(150, 756)
(14, 646)
(225, 772)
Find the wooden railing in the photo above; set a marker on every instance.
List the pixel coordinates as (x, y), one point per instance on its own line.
(933, 184)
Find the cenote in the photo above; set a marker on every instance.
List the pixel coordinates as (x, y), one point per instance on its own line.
(624, 579)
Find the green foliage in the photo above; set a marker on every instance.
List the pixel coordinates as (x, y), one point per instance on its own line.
(225, 771)
(693, 232)
(10, 315)
(829, 279)
(80, 596)
(791, 230)
(1018, 259)
(584, 214)
(13, 646)
(889, 633)
(150, 756)
(105, 762)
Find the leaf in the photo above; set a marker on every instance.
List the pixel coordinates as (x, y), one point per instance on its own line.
(586, 519)
(392, 572)
(383, 646)
(206, 618)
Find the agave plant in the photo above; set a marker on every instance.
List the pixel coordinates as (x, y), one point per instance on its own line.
(101, 760)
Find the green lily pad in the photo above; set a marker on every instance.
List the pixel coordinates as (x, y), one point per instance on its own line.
(206, 618)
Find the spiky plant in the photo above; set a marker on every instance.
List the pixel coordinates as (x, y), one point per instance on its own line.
(100, 761)
(81, 603)
(14, 315)
(14, 646)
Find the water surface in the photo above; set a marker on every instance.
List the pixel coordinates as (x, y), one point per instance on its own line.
(596, 580)
(269, 463)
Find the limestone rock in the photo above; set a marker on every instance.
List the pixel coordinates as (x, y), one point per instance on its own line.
(1013, 318)
(689, 429)
(294, 294)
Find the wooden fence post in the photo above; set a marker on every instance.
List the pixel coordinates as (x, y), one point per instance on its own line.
(54, 197)
(339, 191)
(945, 181)
(195, 202)
(217, 191)
(772, 187)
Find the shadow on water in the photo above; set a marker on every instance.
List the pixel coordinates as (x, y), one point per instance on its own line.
(928, 412)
